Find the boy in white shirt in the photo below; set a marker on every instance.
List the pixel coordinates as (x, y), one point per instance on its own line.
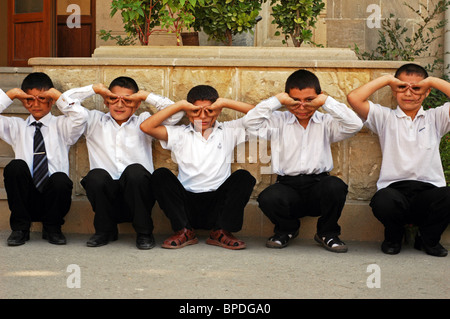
(411, 186)
(121, 162)
(37, 181)
(302, 159)
(206, 195)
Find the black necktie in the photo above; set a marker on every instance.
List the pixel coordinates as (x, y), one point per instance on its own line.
(40, 164)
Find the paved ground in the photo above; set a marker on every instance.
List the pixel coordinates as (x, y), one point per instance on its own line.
(303, 270)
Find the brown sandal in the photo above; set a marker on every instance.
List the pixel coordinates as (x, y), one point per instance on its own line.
(225, 239)
(180, 239)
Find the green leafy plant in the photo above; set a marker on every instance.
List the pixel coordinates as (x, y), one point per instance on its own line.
(296, 19)
(140, 19)
(178, 15)
(396, 45)
(221, 19)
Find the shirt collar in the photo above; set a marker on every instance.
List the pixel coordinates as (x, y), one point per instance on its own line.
(399, 112)
(217, 125)
(107, 117)
(316, 118)
(45, 120)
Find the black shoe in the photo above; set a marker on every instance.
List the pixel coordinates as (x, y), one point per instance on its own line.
(101, 239)
(391, 248)
(145, 241)
(280, 240)
(54, 237)
(333, 243)
(438, 250)
(18, 237)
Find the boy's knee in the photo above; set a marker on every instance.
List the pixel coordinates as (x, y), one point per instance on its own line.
(269, 195)
(16, 167)
(384, 202)
(96, 177)
(136, 173)
(161, 173)
(334, 186)
(246, 176)
(135, 169)
(60, 181)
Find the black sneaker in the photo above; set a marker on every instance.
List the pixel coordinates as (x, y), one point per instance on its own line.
(280, 240)
(333, 244)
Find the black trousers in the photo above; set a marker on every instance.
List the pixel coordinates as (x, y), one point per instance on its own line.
(128, 199)
(412, 202)
(27, 204)
(219, 209)
(293, 197)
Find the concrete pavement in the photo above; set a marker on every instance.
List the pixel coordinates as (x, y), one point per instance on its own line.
(303, 270)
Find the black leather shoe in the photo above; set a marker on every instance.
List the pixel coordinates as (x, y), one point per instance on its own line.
(54, 237)
(101, 239)
(391, 248)
(18, 237)
(145, 241)
(438, 250)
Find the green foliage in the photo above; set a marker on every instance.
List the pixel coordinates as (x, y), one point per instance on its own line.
(296, 19)
(142, 17)
(221, 19)
(177, 15)
(394, 44)
(139, 17)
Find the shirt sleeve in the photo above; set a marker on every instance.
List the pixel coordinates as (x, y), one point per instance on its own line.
(173, 137)
(75, 117)
(258, 121)
(161, 102)
(442, 115)
(80, 94)
(376, 117)
(8, 125)
(5, 101)
(345, 124)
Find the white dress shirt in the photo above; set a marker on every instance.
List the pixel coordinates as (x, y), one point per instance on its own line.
(113, 147)
(410, 147)
(294, 149)
(59, 132)
(204, 164)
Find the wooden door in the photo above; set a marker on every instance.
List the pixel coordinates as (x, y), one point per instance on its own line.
(31, 30)
(75, 35)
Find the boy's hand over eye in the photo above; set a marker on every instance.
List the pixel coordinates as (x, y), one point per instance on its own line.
(103, 91)
(316, 103)
(397, 85)
(420, 88)
(286, 100)
(49, 96)
(26, 99)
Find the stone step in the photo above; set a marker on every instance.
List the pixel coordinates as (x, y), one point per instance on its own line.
(357, 222)
(12, 77)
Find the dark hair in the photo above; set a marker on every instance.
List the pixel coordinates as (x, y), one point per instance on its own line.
(37, 80)
(125, 82)
(303, 79)
(202, 93)
(411, 68)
